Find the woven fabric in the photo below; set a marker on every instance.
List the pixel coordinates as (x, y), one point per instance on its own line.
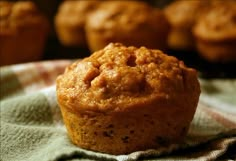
(32, 128)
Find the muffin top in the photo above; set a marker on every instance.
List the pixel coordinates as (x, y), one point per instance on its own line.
(15, 16)
(184, 13)
(125, 16)
(118, 77)
(75, 12)
(219, 23)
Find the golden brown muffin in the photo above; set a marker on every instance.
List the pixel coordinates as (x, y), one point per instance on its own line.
(70, 21)
(23, 32)
(182, 15)
(124, 99)
(129, 22)
(215, 33)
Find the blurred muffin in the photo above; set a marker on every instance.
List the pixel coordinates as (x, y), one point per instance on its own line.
(182, 15)
(215, 33)
(129, 22)
(23, 32)
(124, 99)
(70, 21)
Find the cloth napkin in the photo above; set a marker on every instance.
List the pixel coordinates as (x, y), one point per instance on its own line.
(32, 128)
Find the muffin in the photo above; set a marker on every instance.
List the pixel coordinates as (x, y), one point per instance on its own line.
(129, 22)
(70, 21)
(124, 99)
(23, 32)
(215, 33)
(182, 15)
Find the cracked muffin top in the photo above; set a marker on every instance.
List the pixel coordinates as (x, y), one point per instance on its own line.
(119, 77)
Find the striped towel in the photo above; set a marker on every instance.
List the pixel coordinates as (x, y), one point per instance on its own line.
(32, 128)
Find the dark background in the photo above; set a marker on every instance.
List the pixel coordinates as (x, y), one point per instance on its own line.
(55, 50)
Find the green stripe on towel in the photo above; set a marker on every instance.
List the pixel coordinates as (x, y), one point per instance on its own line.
(26, 126)
(9, 84)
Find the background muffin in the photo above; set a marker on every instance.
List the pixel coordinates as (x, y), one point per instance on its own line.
(182, 16)
(215, 33)
(23, 32)
(124, 99)
(70, 21)
(129, 22)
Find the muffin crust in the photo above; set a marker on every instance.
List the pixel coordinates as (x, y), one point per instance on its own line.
(138, 24)
(182, 16)
(70, 21)
(219, 23)
(215, 33)
(123, 99)
(23, 32)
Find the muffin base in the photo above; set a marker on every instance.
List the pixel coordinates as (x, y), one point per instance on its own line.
(129, 131)
(217, 52)
(26, 45)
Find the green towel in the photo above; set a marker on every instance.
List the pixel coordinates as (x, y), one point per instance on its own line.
(32, 128)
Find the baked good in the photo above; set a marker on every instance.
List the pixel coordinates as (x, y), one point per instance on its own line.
(70, 21)
(138, 24)
(124, 99)
(215, 33)
(23, 32)
(182, 15)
